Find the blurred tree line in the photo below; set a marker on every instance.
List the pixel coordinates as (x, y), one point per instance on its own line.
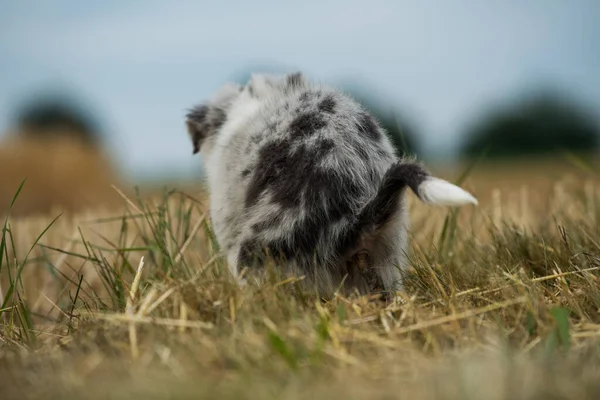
(55, 146)
(541, 124)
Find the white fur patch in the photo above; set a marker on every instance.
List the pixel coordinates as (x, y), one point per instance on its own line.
(240, 112)
(216, 169)
(440, 192)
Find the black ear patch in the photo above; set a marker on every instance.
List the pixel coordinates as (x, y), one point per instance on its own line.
(196, 121)
(203, 121)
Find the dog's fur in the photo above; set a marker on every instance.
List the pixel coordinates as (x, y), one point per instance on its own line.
(304, 173)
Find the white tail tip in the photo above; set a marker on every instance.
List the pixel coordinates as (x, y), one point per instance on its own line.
(440, 192)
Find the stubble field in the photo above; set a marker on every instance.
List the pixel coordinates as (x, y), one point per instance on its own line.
(502, 301)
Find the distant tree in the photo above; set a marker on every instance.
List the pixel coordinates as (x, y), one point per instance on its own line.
(58, 173)
(53, 116)
(540, 125)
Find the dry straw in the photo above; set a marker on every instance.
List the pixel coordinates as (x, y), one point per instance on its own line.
(509, 289)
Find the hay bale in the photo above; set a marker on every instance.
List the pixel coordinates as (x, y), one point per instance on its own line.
(56, 146)
(60, 173)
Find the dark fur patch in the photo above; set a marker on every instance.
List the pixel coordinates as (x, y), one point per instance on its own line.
(367, 126)
(285, 172)
(327, 105)
(400, 175)
(385, 204)
(294, 80)
(326, 203)
(293, 179)
(250, 253)
(268, 223)
(301, 247)
(307, 124)
(246, 172)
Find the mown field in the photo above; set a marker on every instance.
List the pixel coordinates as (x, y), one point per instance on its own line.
(502, 301)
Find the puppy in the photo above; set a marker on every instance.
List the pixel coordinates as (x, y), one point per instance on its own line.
(303, 173)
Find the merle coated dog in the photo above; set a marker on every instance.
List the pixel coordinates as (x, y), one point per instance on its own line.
(301, 172)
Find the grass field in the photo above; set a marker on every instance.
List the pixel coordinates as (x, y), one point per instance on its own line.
(502, 302)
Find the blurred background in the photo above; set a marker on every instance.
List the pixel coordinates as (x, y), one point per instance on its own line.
(94, 94)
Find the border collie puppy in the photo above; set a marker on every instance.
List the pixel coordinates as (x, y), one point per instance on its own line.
(301, 172)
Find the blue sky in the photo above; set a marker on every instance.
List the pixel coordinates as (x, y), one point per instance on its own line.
(141, 64)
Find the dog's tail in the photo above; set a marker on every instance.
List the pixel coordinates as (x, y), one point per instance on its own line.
(377, 212)
(428, 188)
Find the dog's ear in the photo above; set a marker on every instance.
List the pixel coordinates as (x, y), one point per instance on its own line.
(204, 121)
(197, 126)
